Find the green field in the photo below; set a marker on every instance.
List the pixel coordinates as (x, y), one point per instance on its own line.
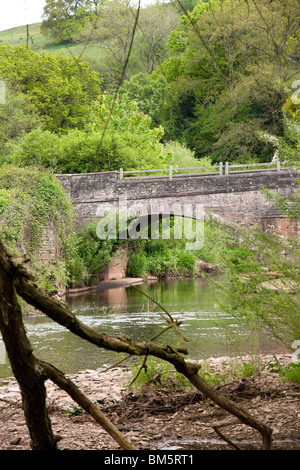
(91, 52)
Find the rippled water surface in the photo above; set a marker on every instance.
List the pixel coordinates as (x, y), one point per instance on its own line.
(126, 311)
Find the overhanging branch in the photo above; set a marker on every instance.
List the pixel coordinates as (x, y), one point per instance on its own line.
(60, 313)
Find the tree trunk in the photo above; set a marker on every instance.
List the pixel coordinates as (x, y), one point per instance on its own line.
(24, 365)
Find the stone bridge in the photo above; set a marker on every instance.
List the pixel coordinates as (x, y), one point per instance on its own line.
(235, 197)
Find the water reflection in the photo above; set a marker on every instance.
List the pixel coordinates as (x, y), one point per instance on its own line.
(126, 311)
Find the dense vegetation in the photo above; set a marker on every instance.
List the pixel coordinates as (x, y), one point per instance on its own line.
(102, 85)
(212, 76)
(31, 204)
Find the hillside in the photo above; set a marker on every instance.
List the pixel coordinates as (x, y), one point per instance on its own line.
(91, 52)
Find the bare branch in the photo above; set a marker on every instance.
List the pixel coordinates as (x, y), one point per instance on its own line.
(66, 384)
(62, 315)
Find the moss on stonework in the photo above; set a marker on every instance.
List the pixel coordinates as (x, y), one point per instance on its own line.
(37, 218)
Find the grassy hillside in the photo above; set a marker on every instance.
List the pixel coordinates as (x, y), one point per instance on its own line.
(91, 52)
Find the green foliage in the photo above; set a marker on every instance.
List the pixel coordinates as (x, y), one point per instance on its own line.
(261, 286)
(286, 146)
(58, 88)
(172, 262)
(129, 142)
(161, 258)
(229, 78)
(290, 372)
(94, 253)
(122, 116)
(179, 156)
(31, 202)
(287, 149)
(77, 410)
(217, 244)
(80, 152)
(65, 20)
(17, 116)
(137, 265)
(154, 97)
(157, 373)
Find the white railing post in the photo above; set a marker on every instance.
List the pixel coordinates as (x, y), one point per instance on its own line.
(221, 169)
(170, 172)
(121, 173)
(278, 166)
(226, 168)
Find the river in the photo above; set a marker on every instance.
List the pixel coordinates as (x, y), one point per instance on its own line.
(126, 311)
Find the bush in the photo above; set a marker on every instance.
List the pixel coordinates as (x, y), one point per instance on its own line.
(180, 156)
(291, 372)
(137, 265)
(79, 152)
(185, 262)
(94, 253)
(158, 373)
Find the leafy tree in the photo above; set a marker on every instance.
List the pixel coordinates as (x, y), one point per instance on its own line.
(129, 142)
(17, 116)
(156, 98)
(156, 22)
(64, 20)
(58, 88)
(229, 64)
(126, 117)
(287, 146)
(112, 32)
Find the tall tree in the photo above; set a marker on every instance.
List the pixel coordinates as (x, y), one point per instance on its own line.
(156, 22)
(59, 88)
(112, 33)
(230, 63)
(64, 20)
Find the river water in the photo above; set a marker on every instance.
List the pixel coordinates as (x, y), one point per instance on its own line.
(126, 311)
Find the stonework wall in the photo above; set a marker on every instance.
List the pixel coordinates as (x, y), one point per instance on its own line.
(48, 248)
(116, 269)
(236, 198)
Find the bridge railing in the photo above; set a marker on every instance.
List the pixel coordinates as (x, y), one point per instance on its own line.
(221, 169)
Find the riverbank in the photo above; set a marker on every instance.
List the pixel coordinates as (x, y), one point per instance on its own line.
(164, 419)
(110, 284)
(201, 268)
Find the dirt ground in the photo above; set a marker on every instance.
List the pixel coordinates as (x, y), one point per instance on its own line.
(158, 419)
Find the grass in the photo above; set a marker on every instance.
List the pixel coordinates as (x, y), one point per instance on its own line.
(159, 373)
(92, 53)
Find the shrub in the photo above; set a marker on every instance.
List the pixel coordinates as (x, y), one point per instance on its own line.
(137, 265)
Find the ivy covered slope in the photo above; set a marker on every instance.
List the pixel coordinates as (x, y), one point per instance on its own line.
(32, 201)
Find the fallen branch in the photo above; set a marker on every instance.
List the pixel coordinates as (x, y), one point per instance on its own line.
(60, 313)
(226, 439)
(31, 373)
(221, 424)
(66, 384)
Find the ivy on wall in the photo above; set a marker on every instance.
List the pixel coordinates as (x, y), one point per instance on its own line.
(32, 203)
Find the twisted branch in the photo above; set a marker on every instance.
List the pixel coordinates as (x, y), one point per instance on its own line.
(60, 313)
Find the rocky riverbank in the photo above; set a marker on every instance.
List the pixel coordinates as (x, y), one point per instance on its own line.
(160, 418)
